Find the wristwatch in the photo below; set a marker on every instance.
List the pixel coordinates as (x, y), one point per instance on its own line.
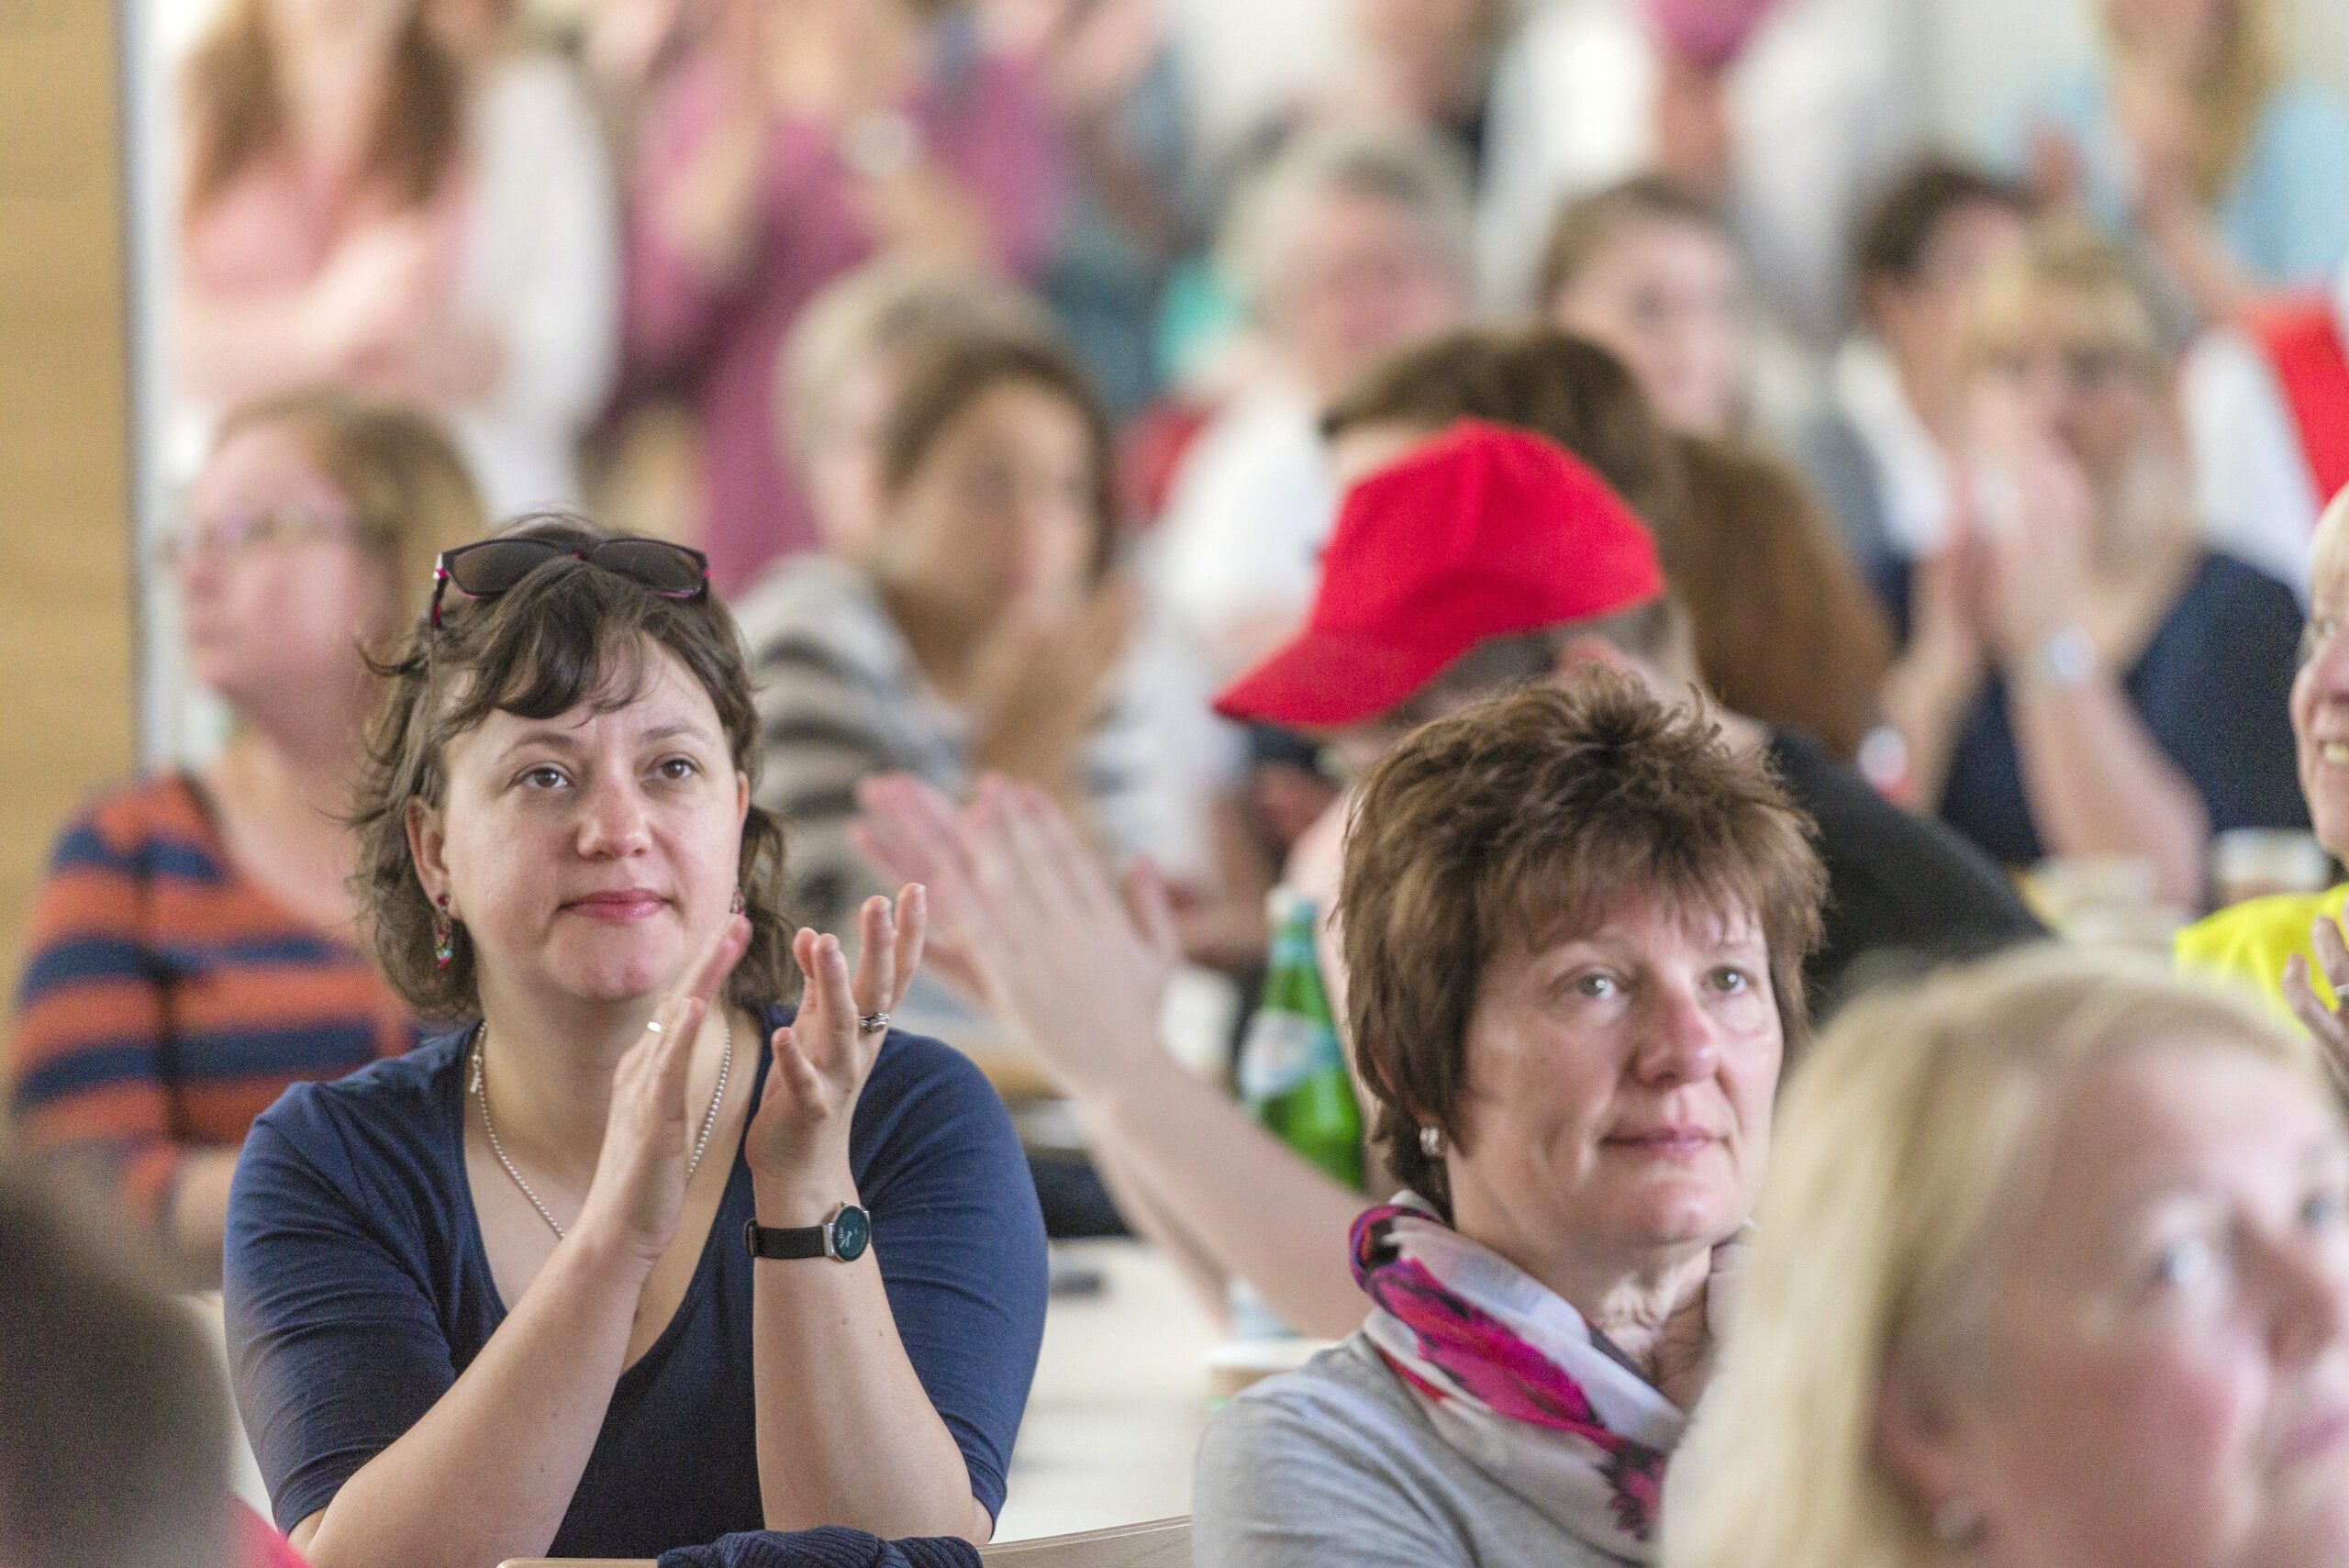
(841, 1237)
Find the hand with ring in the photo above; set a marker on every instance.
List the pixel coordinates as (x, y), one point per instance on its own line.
(798, 1144)
(2323, 1019)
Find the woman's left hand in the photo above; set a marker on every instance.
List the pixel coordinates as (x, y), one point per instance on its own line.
(798, 1144)
(2323, 1021)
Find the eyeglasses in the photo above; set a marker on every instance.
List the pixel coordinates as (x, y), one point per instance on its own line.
(244, 533)
(493, 566)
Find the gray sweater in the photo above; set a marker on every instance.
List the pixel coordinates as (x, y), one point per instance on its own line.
(1334, 1465)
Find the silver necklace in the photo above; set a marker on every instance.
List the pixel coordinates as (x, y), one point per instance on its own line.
(701, 1144)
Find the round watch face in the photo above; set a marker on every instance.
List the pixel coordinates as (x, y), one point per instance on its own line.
(851, 1233)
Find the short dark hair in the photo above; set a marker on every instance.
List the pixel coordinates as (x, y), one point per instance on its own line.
(113, 1425)
(1901, 225)
(567, 633)
(1560, 387)
(1526, 820)
(1588, 225)
(960, 369)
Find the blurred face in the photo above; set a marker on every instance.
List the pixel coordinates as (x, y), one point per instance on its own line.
(1362, 281)
(999, 517)
(591, 855)
(2182, 29)
(2168, 1382)
(380, 21)
(276, 588)
(2320, 716)
(1668, 299)
(1619, 1093)
(1923, 319)
(843, 461)
(2062, 374)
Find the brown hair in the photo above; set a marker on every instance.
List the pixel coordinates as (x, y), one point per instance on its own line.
(1787, 630)
(2065, 257)
(410, 492)
(1525, 820)
(1559, 386)
(234, 104)
(569, 633)
(1588, 225)
(958, 372)
(1902, 223)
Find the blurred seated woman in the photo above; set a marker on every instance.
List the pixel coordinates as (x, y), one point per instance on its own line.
(2292, 945)
(2081, 674)
(981, 626)
(196, 948)
(499, 1299)
(358, 207)
(1576, 925)
(2052, 1267)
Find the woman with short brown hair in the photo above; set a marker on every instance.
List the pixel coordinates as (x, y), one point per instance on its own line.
(1575, 923)
(588, 1275)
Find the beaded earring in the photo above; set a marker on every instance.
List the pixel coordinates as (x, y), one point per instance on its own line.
(444, 933)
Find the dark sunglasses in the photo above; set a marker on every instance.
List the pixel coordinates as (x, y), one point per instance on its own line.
(493, 566)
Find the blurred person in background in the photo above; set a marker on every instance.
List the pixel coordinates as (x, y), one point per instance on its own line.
(1782, 112)
(983, 626)
(2268, 407)
(2291, 946)
(1649, 271)
(1353, 243)
(2051, 1266)
(2081, 676)
(2196, 139)
(358, 205)
(800, 138)
(1463, 566)
(195, 949)
(846, 361)
(1883, 449)
(1576, 922)
(115, 1433)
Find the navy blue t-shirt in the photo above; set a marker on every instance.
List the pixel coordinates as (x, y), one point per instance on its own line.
(2212, 688)
(358, 1290)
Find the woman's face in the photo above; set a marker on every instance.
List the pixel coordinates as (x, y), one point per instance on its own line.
(1668, 299)
(276, 589)
(998, 519)
(2185, 30)
(843, 461)
(2063, 375)
(1362, 281)
(2167, 1375)
(1619, 1092)
(2320, 716)
(591, 855)
(380, 21)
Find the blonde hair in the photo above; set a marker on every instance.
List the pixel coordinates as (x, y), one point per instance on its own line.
(2329, 548)
(1409, 168)
(2064, 257)
(411, 495)
(2231, 92)
(1897, 1145)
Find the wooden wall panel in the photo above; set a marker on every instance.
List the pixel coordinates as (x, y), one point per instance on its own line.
(66, 630)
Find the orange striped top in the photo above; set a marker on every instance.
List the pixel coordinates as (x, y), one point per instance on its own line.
(168, 999)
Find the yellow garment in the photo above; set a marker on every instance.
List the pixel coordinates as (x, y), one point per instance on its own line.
(2250, 942)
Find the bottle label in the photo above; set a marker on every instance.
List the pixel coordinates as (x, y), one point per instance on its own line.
(1280, 1052)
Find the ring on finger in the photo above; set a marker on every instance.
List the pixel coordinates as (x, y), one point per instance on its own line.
(873, 1023)
(655, 1027)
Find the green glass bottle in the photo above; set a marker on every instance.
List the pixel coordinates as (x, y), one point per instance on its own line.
(1292, 1071)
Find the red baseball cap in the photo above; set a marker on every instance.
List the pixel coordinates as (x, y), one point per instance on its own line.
(1483, 532)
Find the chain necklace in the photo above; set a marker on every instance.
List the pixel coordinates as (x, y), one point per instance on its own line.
(701, 1144)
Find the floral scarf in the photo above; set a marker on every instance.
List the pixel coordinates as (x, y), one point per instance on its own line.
(1514, 1379)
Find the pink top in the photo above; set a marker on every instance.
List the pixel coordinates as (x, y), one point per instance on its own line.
(988, 123)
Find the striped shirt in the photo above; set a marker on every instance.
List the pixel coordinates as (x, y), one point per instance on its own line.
(168, 999)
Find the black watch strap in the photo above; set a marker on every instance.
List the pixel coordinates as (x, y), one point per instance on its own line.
(783, 1242)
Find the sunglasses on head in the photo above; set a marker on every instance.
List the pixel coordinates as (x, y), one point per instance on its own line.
(493, 566)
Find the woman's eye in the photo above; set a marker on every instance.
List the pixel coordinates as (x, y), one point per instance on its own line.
(674, 768)
(1596, 985)
(2185, 1263)
(1733, 982)
(2324, 1209)
(541, 778)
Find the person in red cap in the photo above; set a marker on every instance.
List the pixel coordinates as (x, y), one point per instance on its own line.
(1467, 559)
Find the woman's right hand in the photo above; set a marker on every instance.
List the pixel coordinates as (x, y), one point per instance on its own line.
(639, 1190)
(2321, 1019)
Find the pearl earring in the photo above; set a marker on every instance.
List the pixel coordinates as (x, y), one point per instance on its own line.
(1432, 1141)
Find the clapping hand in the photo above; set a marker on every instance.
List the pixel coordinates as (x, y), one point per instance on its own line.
(798, 1144)
(2322, 1019)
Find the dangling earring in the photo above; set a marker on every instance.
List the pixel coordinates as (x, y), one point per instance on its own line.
(444, 933)
(736, 906)
(1432, 1141)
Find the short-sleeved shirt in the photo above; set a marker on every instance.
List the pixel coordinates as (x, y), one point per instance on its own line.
(168, 998)
(2212, 688)
(358, 1290)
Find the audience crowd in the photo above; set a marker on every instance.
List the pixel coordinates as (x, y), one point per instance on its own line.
(1570, 551)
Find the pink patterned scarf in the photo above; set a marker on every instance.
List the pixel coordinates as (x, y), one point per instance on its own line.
(1515, 1380)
